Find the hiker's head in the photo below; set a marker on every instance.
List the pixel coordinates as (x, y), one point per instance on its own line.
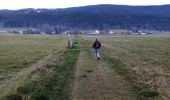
(96, 39)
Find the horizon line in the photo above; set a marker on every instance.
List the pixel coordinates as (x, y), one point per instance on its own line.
(87, 6)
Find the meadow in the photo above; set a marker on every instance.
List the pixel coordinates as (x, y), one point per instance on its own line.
(19, 51)
(40, 67)
(146, 57)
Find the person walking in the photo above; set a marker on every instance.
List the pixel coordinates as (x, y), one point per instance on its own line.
(96, 46)
(69, 42)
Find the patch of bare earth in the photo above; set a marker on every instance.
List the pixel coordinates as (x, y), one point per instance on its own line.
(94, 80)
(41, 67)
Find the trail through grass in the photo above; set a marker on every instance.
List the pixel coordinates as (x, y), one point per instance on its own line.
(50, 85)
(123, 73)
(21, 51)
(95, 80)
(146, 57)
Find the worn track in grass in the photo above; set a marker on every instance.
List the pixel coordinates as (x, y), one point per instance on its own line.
(95, 80)
(26, 72)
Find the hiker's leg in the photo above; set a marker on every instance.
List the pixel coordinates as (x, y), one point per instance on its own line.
(71, 44)
(98, 53)
(94, 53)
(68, 45)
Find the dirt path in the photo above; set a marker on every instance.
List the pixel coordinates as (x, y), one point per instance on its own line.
(94, 80)
(26, 72)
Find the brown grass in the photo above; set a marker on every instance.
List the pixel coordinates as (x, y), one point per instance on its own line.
(94, 80)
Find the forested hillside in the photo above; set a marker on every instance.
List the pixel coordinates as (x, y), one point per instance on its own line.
(91, 17)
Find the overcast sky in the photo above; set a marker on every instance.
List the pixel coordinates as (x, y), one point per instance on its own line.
(18, 4)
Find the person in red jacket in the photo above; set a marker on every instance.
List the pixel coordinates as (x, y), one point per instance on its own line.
(96, 46)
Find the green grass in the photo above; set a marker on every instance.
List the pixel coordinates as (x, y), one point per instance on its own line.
(82, 76)
(56, 85)
(88, 70)
(132, 47)
(122, 53)
(154, 50)
(20, 51)
(146, 57)
(141, 90)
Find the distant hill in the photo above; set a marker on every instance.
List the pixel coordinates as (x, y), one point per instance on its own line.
(91, 17)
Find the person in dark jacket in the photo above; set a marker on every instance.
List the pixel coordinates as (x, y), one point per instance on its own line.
(96, 46)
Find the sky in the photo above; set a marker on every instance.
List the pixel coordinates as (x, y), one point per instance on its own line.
(19, 4)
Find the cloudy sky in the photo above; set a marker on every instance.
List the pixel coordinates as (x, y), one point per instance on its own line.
(18, 4)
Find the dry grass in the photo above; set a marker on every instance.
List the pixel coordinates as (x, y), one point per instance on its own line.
(34, 72)
(20, 51)
(46, 79)
(21, 55)
(95, 80)
(146, 56)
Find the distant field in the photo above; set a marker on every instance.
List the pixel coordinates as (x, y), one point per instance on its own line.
(20, 51)
(147, 56)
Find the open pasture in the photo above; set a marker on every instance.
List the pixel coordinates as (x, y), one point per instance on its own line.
(133, 67)
(147, 57)
(20, 51)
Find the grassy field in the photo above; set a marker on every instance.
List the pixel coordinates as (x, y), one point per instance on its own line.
(146, 57)
(39, 67)
(96, 80)
(55, 85)
(52, 81)
(20, 51)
